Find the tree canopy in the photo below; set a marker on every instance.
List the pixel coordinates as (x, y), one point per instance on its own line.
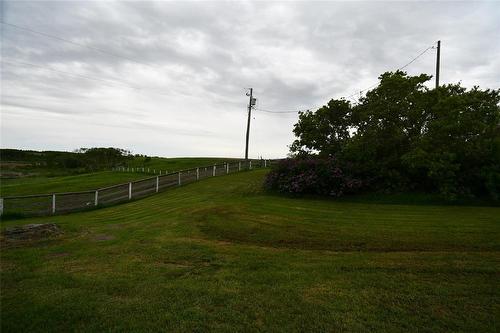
(405, 136)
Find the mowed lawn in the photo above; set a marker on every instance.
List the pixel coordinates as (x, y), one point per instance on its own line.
(73, 183)
(221, 255)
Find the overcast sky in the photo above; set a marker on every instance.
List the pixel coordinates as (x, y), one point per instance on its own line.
(169, 78)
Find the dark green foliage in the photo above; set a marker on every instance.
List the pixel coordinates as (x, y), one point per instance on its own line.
(326, 130)
(61, 162)
(21, 155)
(404, 136)
(311, 176)
(104, 158)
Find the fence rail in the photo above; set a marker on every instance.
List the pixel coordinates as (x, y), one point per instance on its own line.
(60, 203)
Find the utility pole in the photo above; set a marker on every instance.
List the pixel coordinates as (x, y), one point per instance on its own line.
(437, 62)
(250, 102)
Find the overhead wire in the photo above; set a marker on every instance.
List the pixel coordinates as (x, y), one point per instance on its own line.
(418, 56)
(111, 83)
(149, 65)
(353, 94)
(274, 111)
(77, 44)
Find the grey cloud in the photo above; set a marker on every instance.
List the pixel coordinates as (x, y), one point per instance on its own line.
(195, 58)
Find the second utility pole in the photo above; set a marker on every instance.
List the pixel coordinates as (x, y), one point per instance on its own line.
(248, 123)
(437, 62)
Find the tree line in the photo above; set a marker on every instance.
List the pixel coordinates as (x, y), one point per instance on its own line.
(86, 159)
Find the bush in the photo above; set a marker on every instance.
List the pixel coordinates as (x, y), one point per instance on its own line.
(311, 176)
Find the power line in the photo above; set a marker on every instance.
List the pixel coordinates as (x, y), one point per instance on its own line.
(421, 54)
(352, 95)
(90, 48)
(275, 111)
(68, 73)
(149, 65)
(76, 43)
(111, 83)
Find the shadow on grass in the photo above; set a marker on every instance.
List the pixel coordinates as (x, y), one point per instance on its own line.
(405, 198)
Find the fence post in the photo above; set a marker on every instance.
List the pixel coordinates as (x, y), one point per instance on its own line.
(265, 163)
(1, 206)
(157, 183)
(96, 197)
(53, 203)
(179, 177)
(227, 168)
(130, 190)
(160, 172)
(250, 165)
(239, 166)
(213, 172)
(197, 173)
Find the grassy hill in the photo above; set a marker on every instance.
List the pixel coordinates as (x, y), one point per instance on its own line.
(16, 163)
(81, 182)
(175, 163)
(40, 184)
(221, 255)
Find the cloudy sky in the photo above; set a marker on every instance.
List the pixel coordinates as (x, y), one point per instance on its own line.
(169, 78)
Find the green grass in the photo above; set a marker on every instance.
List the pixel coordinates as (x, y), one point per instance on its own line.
(82, 182)
(220, 255)
(88, 181)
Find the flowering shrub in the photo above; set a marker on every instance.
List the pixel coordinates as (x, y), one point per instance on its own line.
(311, 176)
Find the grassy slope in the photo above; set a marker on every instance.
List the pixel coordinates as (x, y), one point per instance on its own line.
(220, 255)
(90, 181)
(86, 181)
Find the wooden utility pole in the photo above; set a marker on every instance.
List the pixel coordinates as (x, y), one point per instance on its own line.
(437, 62)
(248, 122)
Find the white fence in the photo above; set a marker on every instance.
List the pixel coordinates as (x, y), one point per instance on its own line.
(59, 203)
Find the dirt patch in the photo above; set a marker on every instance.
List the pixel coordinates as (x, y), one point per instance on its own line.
(32, 232)
(117, 226)
(173, 264)
(101, 238)
(58, 255)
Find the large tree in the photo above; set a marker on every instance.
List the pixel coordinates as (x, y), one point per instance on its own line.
(402, 135)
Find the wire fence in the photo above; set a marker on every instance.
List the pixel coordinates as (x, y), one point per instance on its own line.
(60, 203)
